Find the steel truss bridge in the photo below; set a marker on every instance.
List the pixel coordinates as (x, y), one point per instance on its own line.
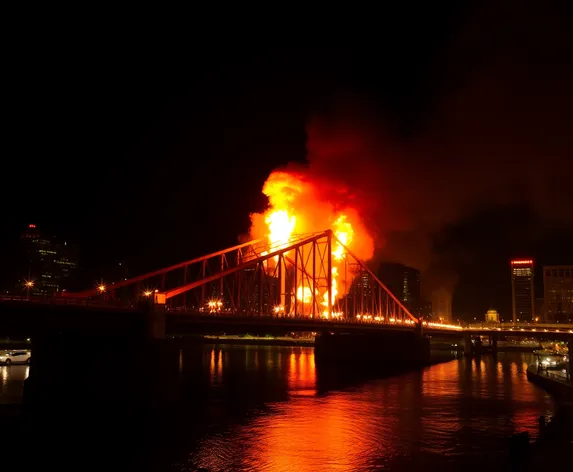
(302, 280)
(304, 283)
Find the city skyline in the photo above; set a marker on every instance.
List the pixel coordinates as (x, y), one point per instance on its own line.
(118, 270)
(455, 173)
(245, 241)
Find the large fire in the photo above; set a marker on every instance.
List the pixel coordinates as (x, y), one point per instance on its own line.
(297, 205)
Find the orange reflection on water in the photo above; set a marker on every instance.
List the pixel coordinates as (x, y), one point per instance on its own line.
(317, 434)
(301, 372)
(452, 409)
(216, 366)
(440, 379)
(440, 383)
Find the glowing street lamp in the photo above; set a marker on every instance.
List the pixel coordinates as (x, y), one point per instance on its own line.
(29, 284)
(101, 288)
(147, 293)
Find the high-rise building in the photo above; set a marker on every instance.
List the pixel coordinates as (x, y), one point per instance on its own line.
(522, 291)
(403, 282)
(46, 262)
(558, 288)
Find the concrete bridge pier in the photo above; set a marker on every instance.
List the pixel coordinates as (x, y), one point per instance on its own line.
(474, 348)
(106, 392)
(154, 309)
(75, 372)
(125, 369)
(493, 343)
(467, 344)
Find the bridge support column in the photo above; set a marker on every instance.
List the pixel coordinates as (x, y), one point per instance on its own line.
(78, 374)
(478, 346)
(155, 316)
(467, 344)
(420, 327)
(493, 343)
(100, 388)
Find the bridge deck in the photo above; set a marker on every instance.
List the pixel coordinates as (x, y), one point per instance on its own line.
(19, 314)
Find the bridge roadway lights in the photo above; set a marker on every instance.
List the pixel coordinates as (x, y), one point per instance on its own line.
(392, 349)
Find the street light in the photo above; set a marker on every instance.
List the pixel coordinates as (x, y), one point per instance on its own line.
(29, 284)
(101, 288)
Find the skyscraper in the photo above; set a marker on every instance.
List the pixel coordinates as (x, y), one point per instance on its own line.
(46, 262)
(558, 287)
(403, 282)
(522, 292)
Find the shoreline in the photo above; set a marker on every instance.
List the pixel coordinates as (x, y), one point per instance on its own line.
(556, 438)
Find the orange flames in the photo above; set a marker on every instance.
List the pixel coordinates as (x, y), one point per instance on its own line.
(297, 206)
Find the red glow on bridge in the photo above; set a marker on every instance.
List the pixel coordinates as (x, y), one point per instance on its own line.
(257, 279)
(299, 204)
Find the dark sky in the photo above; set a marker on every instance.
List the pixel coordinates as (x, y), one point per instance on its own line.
(153, 149)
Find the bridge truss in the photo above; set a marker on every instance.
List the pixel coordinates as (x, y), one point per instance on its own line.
(302, 279)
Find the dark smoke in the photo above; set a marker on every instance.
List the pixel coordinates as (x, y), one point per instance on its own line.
(499, 133)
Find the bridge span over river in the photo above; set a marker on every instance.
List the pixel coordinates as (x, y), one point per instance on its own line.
(315, 284)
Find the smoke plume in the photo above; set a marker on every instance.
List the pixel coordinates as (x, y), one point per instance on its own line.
(500, 132)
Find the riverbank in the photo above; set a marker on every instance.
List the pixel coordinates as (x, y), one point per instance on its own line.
(555, 443)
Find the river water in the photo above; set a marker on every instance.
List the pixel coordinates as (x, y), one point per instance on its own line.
(270, 408)
(299, 419)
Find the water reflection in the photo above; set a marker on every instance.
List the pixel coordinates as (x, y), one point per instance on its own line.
(301, 372)
(12, 383)
(216, 366)
(464, 408)
(269, 408)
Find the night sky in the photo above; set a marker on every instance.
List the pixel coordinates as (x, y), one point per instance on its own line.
(457, 122)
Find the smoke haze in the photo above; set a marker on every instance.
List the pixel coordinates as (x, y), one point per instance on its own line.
(499, 133)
